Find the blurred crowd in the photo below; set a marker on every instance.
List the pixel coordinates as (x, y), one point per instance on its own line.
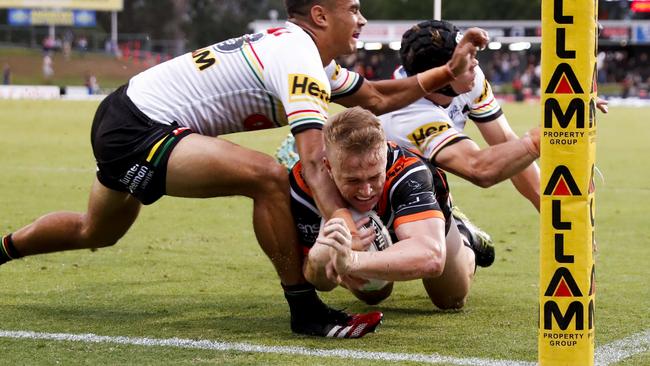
(623, 72)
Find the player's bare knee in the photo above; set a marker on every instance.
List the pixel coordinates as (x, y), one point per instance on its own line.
(272, 178)
(93, 238)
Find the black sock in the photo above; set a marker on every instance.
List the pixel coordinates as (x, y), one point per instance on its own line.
(302, 298)
(7, 250)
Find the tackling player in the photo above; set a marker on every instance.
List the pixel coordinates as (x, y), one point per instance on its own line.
(155, 136)
(411, 198)
(434, 124)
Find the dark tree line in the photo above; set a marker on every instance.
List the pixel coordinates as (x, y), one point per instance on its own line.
(202, 22)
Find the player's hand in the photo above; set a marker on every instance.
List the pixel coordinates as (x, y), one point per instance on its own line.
(476, 36)
(335, 234)
(534, 135)
(473, 40)
(602, 105)
(365, 236)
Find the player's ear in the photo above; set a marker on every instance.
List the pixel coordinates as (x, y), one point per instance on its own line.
(318, 14)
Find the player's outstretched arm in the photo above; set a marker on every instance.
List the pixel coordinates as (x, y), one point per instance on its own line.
(527, 182)
(489, 166)
(388, 95)
(419, 253)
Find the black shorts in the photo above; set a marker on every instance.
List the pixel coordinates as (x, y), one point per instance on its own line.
(130, 149)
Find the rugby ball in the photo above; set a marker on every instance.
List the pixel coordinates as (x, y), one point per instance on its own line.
(381, 242)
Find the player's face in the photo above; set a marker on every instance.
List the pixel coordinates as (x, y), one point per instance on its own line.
(346, 25)
(360, 179)
(465, 82)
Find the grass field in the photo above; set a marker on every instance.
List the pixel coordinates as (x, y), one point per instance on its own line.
(191, 269)
(26, 68)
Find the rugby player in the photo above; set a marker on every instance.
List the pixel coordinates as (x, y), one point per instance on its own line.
(409, 195)
(155, 136)
(434, 124)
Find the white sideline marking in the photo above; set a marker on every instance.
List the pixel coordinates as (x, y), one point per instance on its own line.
(244, 347)
(623, 348)
(604, 355)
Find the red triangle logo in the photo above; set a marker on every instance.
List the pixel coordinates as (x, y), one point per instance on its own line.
(562, 290)
(561, 189)
(563, 87)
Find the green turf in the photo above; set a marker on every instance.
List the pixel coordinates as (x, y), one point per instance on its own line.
(192, 268)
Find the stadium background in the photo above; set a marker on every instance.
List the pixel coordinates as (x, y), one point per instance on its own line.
(142, 41)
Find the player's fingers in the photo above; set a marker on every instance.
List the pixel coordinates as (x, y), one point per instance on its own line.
(601, 104)
(339, 238)
(366, 237)
(337, 227)
(462, 58)
(476, 36)
(327, 241)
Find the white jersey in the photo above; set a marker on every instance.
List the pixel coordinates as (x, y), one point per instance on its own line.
(427, 127)
(257, 81)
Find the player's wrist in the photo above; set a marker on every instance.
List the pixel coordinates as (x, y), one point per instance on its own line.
(433, 79)
(353, 264)
(346, 215)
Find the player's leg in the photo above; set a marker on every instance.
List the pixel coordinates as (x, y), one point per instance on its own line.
(450, 290)
(201, 166)
(476, 238)
(109, 216)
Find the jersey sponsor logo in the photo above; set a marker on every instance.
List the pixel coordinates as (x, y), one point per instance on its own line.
(433, 129)
(204, 58)
(301, 85)
(137, 178)
(234, 44)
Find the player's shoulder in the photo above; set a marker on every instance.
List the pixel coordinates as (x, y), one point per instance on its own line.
(401, 158)
(288, 43)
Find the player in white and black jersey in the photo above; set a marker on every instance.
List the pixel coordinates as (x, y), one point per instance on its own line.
(411, 198)
(156, 136)
(434, 124)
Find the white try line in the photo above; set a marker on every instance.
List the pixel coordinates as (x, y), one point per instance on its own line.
(605, 355)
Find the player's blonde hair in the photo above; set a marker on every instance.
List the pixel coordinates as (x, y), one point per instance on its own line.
(355, 130)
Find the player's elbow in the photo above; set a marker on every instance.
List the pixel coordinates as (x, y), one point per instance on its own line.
(481, 174)
(378, 105)
(484, 180)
